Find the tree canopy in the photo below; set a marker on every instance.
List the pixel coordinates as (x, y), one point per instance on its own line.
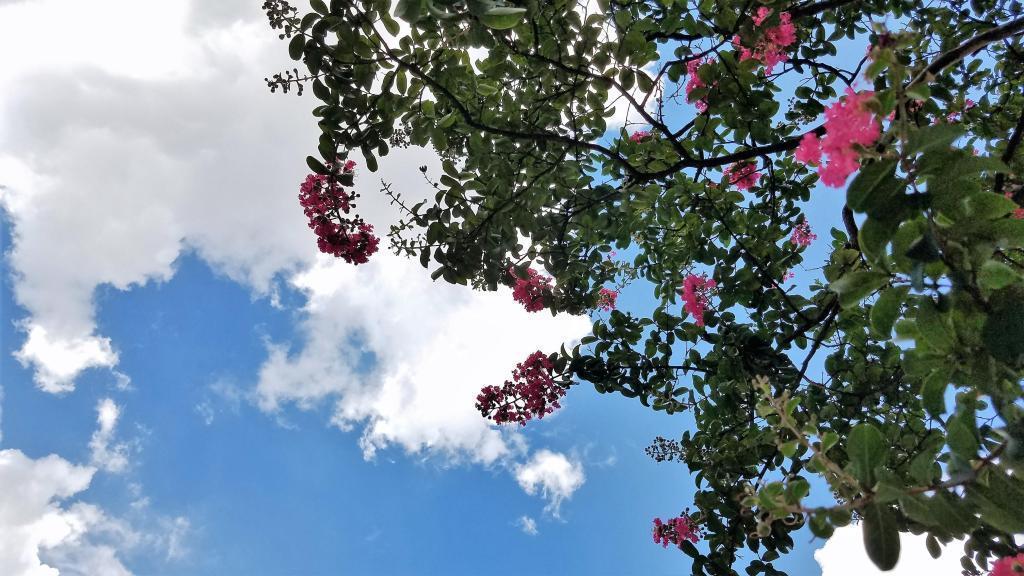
(741, 109)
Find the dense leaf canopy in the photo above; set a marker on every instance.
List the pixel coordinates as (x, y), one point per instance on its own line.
(918, 422)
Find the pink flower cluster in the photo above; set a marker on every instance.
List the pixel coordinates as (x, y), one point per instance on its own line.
(694, 82)
(788, 275)
(770, 49)
(606, 299)
(532, 393)
(696, 296)
(802, 235)
(848, 124)
(1009, 566)
(530, 291)
(1018, 213)
(955, 116)
(327, 204)
(743, 175)
(639, 135)
(675, 531)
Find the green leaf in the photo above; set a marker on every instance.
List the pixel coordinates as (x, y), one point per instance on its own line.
(887, 308)
(917, 509)
(934, 326)
(874, 184)
(319, 6)
(411, 10)
(935, 136)
(995, 275)
(867, 450)
(961, 439)
(1003, 333)
(503, 17)
(296, 46)
(855, 286)
(881, 536)
(390, 25)
(989, 206)
(933, 392)
(874, 236)
(999, 501)
(316, 165)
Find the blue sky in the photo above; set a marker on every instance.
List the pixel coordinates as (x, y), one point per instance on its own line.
(187, 388)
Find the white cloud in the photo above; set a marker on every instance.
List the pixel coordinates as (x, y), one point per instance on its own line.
(59, 359)
(843, 555)
(105, 455)
(116, 162)
(528, 525)
(43, 536)
(553, 475)
(407, 356)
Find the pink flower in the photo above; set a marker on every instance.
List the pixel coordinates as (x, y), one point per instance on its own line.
(770, 48)
(325, 202)
(639, 135)
(809, 150)
(848, 124)
(694, 82)
(676, 531)
(802, 235)
(789, 275)
(606, 299)
(696, 296)
(743, 174)
(1018, 213)
(1009, 566)
(530, 291)
(532, 393)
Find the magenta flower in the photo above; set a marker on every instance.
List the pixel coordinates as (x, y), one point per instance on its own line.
(694, 82)
(743, 175)
(696, 296)
(675, 531)
(325, 203)
(1009, 566)
(848, 124)
(770, 49)
(530, 291)
(802, 235)
(532, 393)
(606, 299)
(639, 135)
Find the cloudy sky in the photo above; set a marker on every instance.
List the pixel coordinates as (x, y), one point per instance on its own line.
(187, 388)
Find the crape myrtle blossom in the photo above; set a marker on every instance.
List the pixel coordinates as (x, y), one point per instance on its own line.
(326, 203)
(1009, 566)
(532, 393)
(675, 531)
(639, 135)
(849, 125)
(743, 175)
(802, 235)
(530, 291)
(606, 298)
(694, 82)
(770, 48)
(696, 296)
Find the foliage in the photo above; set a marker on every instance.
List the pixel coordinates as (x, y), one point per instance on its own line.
(916, 423)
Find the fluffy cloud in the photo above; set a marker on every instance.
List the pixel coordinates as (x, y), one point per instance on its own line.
(107, 455)
(36, 523)
(528, 525)
(407, 356)
(123, 147)
(553, 475)
(843, 555)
